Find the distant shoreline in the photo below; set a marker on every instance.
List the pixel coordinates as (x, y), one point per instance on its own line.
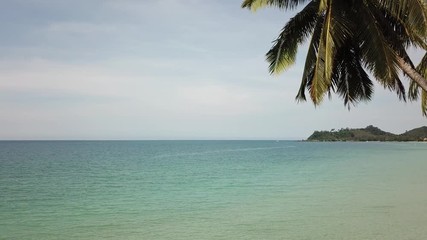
(368, 134)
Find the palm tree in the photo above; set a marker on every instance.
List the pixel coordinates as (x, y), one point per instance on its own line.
(348, 40)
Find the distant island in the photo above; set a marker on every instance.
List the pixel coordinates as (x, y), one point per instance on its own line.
(370, 133)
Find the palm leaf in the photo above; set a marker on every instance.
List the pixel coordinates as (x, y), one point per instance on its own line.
(415, 89)
(412, 35)
(413, 13)
(283, 52)
(324, 63)
(254, 5)
(378, 55)
(323, 5)
(310, 61)
(422, 66)
(351, 81)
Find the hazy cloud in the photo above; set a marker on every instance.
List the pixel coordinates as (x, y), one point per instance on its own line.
(169, 69)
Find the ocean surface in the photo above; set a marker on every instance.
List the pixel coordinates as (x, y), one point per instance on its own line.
(212, 190)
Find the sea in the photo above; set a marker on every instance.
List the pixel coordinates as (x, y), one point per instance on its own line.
(213, 190)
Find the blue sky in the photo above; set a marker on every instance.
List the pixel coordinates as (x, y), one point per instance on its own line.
(161, 69)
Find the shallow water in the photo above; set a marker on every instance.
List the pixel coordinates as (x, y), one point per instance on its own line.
(212, 190)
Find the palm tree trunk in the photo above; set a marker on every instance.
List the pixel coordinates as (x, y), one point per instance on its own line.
(412, 73)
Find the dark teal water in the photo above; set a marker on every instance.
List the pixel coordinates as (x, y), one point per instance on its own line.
(212, 190)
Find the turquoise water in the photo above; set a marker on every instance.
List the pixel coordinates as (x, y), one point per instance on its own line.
(212, 190)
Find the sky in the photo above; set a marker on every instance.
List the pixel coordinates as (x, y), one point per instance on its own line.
(161, 69)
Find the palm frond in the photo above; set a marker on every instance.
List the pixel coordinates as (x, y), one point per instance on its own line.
(323, 5)
(400, 26)
(351, 81)
(422, 66)
(378, 55)
(413, 13)
(422, 69)
(348, 39)
(254, 5)
(415, 90)
(342, 28)
(324, 63)
(283, 52)
(310, 60)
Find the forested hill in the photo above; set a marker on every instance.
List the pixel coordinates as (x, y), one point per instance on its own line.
(370, 133)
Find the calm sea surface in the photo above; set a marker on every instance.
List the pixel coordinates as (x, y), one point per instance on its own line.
(212, 190)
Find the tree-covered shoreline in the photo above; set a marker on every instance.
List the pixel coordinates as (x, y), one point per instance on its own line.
(370, 133)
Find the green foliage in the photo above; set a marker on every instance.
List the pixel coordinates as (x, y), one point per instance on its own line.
(282, 54)
(370, 133)
(414, 134)
(349, 38)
